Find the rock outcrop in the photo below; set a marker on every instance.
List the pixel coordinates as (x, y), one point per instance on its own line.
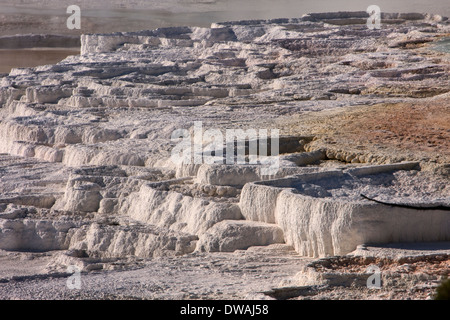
(324, 214)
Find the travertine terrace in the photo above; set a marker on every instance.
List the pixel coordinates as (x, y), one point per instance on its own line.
(87, 177)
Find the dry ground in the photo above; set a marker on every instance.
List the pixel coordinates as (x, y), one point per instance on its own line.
(414, 131)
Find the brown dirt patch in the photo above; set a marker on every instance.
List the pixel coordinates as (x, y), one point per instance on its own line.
(421, 127)
(414, 131)
(431, 265)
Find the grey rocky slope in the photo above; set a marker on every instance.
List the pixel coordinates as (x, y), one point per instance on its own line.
(87, 175)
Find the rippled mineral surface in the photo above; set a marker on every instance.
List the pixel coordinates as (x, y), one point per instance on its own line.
(88, 181)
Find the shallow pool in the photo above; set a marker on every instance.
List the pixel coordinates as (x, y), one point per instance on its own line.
(24, 58)
(442, 45)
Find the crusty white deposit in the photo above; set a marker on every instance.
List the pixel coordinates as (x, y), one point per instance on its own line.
(87, 177)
